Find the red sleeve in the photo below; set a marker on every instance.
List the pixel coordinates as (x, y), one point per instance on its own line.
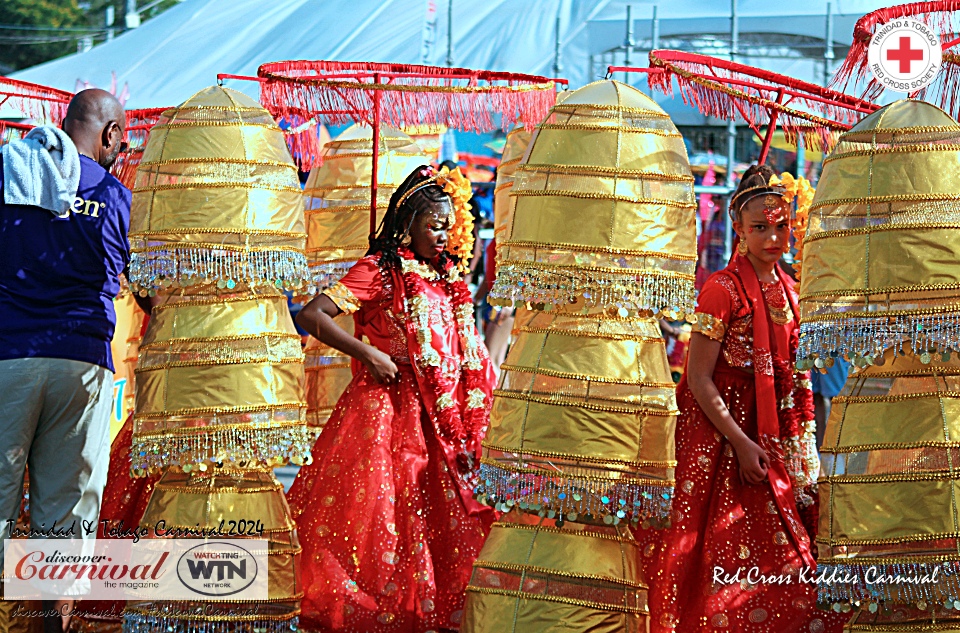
(362, 284)
(715, 307)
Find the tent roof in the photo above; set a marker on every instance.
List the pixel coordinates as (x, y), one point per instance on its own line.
(181, 51)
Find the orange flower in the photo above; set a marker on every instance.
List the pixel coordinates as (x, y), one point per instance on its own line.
(460, 236)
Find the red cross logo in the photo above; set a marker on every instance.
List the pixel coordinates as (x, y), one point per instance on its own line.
(905, 55)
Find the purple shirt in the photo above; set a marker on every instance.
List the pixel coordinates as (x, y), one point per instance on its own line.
(58, 277)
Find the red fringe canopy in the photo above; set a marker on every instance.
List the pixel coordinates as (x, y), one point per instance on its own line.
(40, 103)
(10, 131)
(937, 15)
(139, 123)
(728, 90)
(345, 92)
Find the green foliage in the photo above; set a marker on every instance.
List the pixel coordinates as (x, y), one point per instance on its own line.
(46, 32)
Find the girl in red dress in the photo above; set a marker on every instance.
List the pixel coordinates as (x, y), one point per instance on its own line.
(385, 512)
(738, 554)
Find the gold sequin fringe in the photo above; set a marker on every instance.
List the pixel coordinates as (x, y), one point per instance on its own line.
(574, 498)
(234, 447)
(325, 275)
(184, 266)
(636, 291)
(863, 340)
(174, 618)
(915, 583)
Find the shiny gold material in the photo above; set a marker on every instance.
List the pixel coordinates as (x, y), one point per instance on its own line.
(337, 196)
(216, 199)
(709, 325)
(219, 500)
(328, 374)
(890, 480)
(882, 247)
(504, 203)
(220, 379)
(584, 417)
(604, 208)
(531, 576)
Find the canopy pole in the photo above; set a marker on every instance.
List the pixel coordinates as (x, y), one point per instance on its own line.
(376, 159)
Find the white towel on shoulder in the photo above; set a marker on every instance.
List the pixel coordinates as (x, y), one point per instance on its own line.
(42, 170)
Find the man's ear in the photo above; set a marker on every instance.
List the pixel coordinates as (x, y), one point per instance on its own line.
(107, 133)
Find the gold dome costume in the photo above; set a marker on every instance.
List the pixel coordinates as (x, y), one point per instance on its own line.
(217, 230)
(580, 444)
(880, 283)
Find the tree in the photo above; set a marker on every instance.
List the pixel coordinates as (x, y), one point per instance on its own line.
(35, 31)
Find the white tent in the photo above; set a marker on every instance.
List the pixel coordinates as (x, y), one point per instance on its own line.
(181, 51)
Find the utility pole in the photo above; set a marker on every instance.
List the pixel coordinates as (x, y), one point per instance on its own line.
(450, 33)
(557, 67)
(628, 43)
(731, 138)
(108, 18)
(828, 50)
(132, 16)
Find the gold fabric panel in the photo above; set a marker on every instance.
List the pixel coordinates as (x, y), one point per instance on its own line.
(216, 199)
(226, 209)
(883, 240)
(328, 375)
(890, 479)
(212, 317)
(504, 203)
(604, 385)
(215, 500)
(532, 576)
(605, 187)
(912, 258)
(648, 228)
(243, 386)
(337, 196)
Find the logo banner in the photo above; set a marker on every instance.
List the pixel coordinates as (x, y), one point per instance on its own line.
(123, 569)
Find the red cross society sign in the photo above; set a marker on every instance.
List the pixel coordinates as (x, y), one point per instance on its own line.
(905, 55)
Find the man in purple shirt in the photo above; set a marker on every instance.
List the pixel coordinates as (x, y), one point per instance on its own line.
(58, 279)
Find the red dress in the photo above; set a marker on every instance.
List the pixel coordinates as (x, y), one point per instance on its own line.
(387, 521)
(732, 558)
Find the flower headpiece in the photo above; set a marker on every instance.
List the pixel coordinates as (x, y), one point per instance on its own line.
(802, 191)
(457, 186)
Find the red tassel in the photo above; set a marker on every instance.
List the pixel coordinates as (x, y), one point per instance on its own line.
(408, 94)
(728, 90)
(41, 103)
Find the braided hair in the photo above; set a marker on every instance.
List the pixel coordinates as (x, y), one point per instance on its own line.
(755, 176)
(397, 222)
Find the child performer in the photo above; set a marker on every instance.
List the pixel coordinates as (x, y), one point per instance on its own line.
(738, 554)
(385, 513)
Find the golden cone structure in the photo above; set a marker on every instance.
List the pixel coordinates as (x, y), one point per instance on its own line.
(604, 209)
(208, 501)
(429, 138)
(881, 262)
(337, 197)
(504, 202)
(522, 579)
(220, 381)
(880, 283)
(217, 227)
(580, 445)
(582, 422)
(216, 199)
(328, 374)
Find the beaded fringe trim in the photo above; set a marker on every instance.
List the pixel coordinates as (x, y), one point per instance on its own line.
(919, 584)
(186, 266)
(325, 275)
(864, 340)
(627, 291)
(572, 498)
(137, 623)
(256, 447)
